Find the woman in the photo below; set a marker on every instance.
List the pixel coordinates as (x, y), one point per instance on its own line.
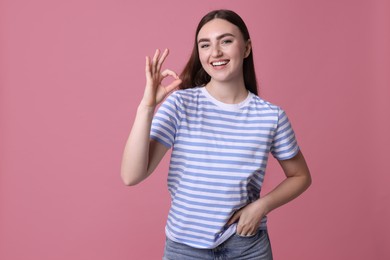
(221, 133)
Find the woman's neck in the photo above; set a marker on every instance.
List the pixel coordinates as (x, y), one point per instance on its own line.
(229, 93)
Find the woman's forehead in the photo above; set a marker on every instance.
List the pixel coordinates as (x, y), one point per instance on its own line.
(217, 27)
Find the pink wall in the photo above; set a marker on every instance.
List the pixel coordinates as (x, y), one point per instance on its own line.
(72, 72)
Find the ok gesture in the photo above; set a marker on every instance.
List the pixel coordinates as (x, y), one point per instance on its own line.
(155, 92)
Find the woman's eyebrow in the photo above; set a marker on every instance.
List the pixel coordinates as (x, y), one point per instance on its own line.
(218, 37)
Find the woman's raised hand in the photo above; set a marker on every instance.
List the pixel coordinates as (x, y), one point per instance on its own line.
(155, 92)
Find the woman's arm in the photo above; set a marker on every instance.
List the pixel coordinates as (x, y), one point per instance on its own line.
(142, 155)
(297, 180)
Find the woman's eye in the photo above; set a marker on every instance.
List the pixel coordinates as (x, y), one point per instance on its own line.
(202, 46)
(226, 41)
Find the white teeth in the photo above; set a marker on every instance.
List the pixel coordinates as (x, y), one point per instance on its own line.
(219, 63)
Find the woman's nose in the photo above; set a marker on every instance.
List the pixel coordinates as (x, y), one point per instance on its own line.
(216, 51)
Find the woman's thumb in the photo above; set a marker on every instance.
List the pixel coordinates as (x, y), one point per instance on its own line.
(234, 218)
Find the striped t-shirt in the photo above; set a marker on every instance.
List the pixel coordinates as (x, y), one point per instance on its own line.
(219, 156)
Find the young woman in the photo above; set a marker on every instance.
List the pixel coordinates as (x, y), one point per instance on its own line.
(221, 134)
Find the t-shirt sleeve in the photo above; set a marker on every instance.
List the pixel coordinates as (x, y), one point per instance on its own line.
(166, 120)
(284, 144)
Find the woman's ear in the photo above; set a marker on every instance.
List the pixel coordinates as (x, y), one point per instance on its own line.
(248, 48)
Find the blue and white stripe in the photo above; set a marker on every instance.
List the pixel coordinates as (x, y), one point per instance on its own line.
(218, 161)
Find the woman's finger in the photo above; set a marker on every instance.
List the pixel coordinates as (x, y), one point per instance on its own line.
(234, 218)
(245, 229)
(173, 85)
(147, 68)
(239, 229)
(155, 61)
(168, 72)
(162, 59)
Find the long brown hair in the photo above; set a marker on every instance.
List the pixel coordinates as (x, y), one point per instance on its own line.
(194, 75)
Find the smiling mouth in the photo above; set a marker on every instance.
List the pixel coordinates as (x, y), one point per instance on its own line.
(219, 63)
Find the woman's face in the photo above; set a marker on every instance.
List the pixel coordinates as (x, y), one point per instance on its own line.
(222, 50)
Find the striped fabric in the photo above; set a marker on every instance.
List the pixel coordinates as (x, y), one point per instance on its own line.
(218, 161)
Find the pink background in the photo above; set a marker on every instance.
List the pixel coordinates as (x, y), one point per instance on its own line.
(72, 73)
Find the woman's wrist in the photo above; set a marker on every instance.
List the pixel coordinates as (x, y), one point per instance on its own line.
(263, 206)
(145, 107)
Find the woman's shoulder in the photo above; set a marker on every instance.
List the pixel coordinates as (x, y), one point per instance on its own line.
(186, 94)
(182, 97)
(188, 91)
(265, 104)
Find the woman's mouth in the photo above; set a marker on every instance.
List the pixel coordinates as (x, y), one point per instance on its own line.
(219, 63)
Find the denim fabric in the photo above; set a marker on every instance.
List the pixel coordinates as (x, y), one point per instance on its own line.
(256, 247)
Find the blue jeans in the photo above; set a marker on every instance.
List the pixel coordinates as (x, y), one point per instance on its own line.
(256, 247)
